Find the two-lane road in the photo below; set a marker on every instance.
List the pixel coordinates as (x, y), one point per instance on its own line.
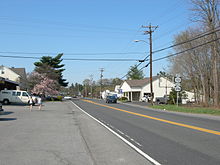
(168, 138)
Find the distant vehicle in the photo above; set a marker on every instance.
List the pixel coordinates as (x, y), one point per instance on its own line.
(16, 96)
(111, 99)
(162, 100)
(67, 98)
(144, 99)
(1, 109)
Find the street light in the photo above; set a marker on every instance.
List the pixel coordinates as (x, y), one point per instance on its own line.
(151, 79)
(141, 41)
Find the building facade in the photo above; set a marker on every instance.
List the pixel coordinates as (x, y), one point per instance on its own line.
(135, 90)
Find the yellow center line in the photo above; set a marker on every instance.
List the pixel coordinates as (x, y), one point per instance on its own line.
(158, 119)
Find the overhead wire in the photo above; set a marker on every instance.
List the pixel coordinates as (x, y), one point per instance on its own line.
(175, 54)
(184, 42)
(94, 53)
(74, 59)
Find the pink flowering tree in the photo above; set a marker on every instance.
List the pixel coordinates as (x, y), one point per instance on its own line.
(42, 84)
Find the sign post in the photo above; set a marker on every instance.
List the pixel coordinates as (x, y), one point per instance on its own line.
(177, 80)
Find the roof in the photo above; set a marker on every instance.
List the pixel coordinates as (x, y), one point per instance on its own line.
(140, 83)
(19, 71)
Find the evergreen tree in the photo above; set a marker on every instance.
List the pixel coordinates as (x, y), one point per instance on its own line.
(52, 68)
(134, 73)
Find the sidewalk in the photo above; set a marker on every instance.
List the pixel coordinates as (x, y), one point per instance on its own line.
(61, 134)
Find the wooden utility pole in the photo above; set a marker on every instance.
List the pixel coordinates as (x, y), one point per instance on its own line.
(150, 30)
(91, 83)
(101, 70)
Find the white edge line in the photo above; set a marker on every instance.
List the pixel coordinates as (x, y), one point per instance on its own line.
(123, 139)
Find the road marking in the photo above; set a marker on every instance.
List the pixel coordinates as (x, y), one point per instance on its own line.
(158, 119)
(119, 136)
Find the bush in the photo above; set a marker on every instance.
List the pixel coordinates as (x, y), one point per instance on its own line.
(59, 98)
(54, 98)
(123, 99)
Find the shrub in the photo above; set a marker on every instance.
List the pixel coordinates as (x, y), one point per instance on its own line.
(123, 99)
(59, 98)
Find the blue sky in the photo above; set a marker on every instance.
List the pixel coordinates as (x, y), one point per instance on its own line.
(79, 28)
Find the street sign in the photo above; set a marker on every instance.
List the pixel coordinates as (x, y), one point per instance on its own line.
(178, 88)
(177, 79)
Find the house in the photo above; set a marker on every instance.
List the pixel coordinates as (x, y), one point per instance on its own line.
(17, 75)
(5, 83)
(134, 90)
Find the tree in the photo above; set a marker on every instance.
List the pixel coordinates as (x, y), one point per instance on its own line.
(193, 65)
(207, 13)
(44, 85)
(134, 73)
(173, 96)
(52, 68)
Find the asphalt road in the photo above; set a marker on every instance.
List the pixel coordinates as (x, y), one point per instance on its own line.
(169, 138)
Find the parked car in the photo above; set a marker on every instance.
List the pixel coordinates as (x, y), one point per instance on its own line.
(1, 109)
(16, 96)
(162, 100)
(144, 99)
(111, 99)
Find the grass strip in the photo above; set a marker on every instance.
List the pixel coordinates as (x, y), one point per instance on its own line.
(199, 110)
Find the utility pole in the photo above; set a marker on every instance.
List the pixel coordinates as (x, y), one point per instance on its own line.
(91, 83)
(101, 70)
(150, 30)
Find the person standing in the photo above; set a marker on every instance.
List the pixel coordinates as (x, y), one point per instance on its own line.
(31, 103)
(39, 101)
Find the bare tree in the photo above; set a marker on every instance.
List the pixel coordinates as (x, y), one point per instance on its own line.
(194, 64)
(207, 12)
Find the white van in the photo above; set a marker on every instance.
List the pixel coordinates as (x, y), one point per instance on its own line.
(15, 96)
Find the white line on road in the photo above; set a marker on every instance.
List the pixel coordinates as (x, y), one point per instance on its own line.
(123, 139)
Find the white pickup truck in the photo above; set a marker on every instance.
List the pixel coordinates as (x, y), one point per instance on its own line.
(15, 96)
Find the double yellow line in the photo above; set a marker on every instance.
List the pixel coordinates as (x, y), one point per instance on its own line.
(158, 119)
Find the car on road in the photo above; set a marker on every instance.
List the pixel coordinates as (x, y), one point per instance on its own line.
(67, 97)
(1, 109)
(111, 99)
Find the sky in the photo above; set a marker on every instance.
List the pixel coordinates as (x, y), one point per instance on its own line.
(89, 29)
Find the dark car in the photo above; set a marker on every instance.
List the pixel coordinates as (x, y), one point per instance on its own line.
(1, 110)
(111, 99)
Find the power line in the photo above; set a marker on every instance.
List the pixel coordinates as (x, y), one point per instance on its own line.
(175, 54)
(75, 59)
(195, 38)
(139, 70)
(104, 53)
(98, 59)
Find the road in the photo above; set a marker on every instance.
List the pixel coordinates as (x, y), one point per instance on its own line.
(168, 138)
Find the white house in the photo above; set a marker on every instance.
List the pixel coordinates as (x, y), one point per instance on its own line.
(8, 74)
(14, 74)
(134, 90)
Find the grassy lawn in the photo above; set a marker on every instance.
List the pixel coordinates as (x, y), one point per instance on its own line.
(200, 110)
